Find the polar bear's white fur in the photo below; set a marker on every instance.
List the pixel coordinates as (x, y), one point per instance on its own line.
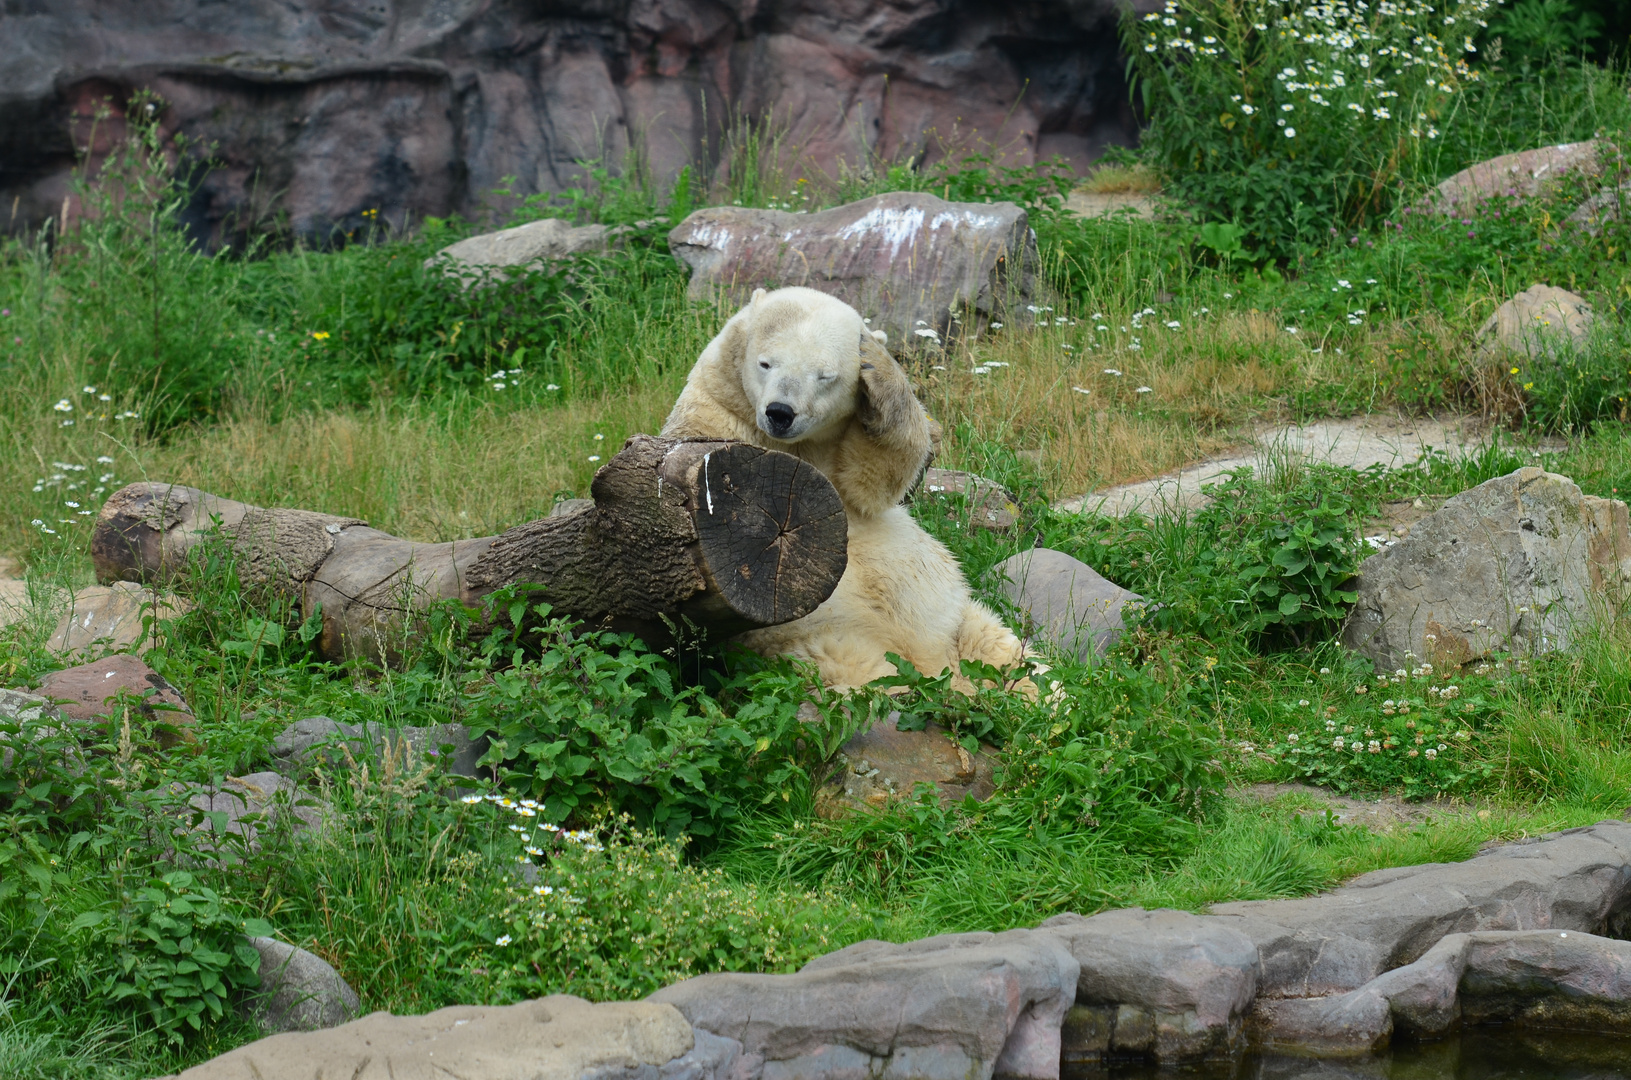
(797, 370)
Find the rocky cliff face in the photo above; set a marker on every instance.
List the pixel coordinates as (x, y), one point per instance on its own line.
(322, 109)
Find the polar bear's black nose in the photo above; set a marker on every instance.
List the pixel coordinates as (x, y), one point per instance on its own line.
(779, 415)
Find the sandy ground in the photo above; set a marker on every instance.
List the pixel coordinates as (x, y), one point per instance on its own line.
(1357, 443)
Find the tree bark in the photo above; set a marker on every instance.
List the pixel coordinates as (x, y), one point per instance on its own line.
(726, 537)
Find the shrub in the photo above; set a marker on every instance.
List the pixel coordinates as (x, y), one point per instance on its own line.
(618, 913)
(1296, 119)
(596, 723)
(180, 952)
(1271, 559)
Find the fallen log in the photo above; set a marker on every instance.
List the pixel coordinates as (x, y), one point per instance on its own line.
(725, 537)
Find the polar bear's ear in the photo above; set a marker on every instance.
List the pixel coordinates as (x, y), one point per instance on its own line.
(880, 337)
(757, 294)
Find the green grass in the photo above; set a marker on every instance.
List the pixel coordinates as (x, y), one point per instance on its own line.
(358, 381)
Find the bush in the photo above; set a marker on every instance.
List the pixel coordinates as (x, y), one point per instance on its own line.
(619, 913)
(1296, 120)
(180, 952)
(597, 723)
(1271, 559)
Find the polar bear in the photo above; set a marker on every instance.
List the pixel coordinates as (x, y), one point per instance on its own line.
(797, 370)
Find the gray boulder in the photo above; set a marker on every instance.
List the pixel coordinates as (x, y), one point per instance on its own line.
(109, 618)
(529, 246)
(298, 991)
(552, 1038)
(1517, 564)
(906, 261)
(988, 505)
(1336, 942)
(958, 1007)
(18, 708)
(1167, 984)
(1069, 603)
(318, 739)
(236, 816)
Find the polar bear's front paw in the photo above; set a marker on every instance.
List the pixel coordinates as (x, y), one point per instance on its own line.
(884, 402)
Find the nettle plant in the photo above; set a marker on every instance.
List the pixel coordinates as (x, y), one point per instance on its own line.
(1293, 119)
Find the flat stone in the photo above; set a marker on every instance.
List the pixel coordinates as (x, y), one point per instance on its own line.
(552, 1038)
(1540, 322)
(1517, 564)
(905, 260)
(1169, 984)
(87, 692)
(954, 1007)
(318, 739)
(987, 504)
(1524, 174)
(1069, 603)
(108, 618)
(884, 765)
(299, 991)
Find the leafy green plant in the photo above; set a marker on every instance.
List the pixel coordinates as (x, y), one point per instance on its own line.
(181, 952)
(596, 723)
(1539, 30)
(1273, 560)
(619, 912)
(1570, 385)
(1295, 120)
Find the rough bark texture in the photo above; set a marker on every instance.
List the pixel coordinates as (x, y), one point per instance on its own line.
(725, 536)
(323, 109)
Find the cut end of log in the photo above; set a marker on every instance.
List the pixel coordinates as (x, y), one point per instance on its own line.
(771, 532)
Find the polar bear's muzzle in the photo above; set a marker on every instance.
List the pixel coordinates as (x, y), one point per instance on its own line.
(778, 420)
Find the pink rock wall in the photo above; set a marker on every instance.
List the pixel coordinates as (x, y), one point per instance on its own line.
(321, 109)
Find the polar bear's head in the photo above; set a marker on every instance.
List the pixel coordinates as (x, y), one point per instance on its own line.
(799, 354)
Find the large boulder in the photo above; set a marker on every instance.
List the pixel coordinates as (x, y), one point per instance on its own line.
(298, 991)
(1070, 604)
(552, 1038)
(94, 691)
(1524, 174)
(1542, 321)
(907, 261)
(110, 618)
(345, 116)
(318, 740)
(883, 765)
(1517, 564)
(955, 1007)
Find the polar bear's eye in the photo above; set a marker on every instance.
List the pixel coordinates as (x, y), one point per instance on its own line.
(764, 365)
(826, 376)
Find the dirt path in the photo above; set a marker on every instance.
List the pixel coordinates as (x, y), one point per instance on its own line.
(13, 592)
(1357, 442)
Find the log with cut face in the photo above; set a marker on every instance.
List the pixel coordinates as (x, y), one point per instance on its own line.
(718, 536)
